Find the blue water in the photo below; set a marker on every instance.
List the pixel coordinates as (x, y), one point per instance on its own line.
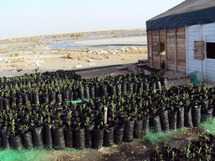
(65, 44)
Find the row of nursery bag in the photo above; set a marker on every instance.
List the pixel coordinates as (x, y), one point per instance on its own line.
(67, 86)
(163, 109)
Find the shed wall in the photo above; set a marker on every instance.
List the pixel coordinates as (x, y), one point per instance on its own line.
(175, 44)
(204, 33)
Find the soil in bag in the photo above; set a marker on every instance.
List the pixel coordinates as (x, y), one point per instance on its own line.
(89, 136)
(97, 91)
(6, 102)
(79, 138)
(27, 140)
(146, 125)
(69, 137)
(1, 103)
(48, 136)
(86, 92)
(98, 135)
(130, 87)
(196, 115)
(37, 135)
(112, 89)
(138, 129)
(207, 114)
(92, 91)
(25, 98)
(188, 117)
(172, 114)
(164, 120)
(59, 98)
(66, 95)
(5, 139)
(155, 123)
(128, 131)
(180, 117)
(124, 87)
(119, 88)
(58, 137)
(108, 136)
(35, 98)
(45, 98)
(135, 87)
(103, 90)
(81, 92)
(16, 142)
(52, 96)
(118, 133)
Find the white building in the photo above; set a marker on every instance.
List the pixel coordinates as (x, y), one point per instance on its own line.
(187, 35)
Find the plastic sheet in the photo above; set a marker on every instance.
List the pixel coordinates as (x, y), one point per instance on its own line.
(196, 115)
(59, 98)
(119, 133)
(37, 136)
(207, 113)
(92, 91)
(124, 87)
(66, 95)
(188, 117)
(128, 131)
(45, 98)
(35, 98)
(98, 135)
(103, 90)
(145, 125)
(86, 92)
(80, 138)
(69, 137)
(119, 88)
(97, 91)
(108, 136)
(58, 137)
(180, 117)
(164, 120)
(27, 140)
(5, 139)
(172, 119)
(48, 143)
(89, 136)
(81, 92)
(16, 142)
(155, 123)
(138, 129)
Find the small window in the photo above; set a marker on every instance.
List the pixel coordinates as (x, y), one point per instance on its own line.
(210, 50)
(162, 49)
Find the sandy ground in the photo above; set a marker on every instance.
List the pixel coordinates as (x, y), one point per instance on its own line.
(131, 40)
(32, 54)
(28, 62)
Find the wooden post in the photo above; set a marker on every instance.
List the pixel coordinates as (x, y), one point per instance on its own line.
(105, 115)
(148, 49)
(152, 48)
(166, 56)
(159, 48)
(176, 55)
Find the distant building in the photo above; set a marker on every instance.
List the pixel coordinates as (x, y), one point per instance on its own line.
(184, 38)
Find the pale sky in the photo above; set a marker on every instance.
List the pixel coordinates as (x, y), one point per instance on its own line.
(38, 17)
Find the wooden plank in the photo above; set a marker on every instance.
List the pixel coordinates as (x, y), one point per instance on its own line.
(176, 59)
(148, 47)
(152, 47)
(166, 55)
(159, 48)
